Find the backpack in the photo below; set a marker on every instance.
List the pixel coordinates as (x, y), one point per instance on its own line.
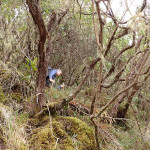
(48, 70)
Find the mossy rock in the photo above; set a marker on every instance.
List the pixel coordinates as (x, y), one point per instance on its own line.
(67, 133)
(81, 133)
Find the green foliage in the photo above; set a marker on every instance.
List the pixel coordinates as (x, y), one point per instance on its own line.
(31, 64)
(31, 67)
(22, 28)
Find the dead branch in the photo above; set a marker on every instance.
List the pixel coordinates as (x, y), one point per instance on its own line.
(79, 108)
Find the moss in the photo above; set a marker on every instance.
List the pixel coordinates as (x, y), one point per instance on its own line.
(17, 97)
(23, 147)
(52, 104)
(44, 119)
(70, 132)
(4, 74)
(33, 122)
(81, 133)
(45, 138)
(2, 96)
(41, 139)
(2, 140)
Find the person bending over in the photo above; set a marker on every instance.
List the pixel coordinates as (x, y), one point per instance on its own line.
(52, 74)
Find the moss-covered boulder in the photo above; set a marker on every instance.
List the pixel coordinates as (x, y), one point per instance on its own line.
(62, 133)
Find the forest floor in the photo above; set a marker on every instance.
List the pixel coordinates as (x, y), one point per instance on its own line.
(68, 129)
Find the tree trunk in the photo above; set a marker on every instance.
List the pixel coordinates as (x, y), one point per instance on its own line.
(35, 11)
(44, 54)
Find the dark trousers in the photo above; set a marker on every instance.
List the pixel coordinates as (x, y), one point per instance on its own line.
(48, 82)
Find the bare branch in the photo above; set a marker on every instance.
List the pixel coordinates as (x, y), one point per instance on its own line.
(110, 41)
(125, 89)
(125, 32)
(126, 48)
(118, 75)
(51, 22)
(101, 23)
(143, 6)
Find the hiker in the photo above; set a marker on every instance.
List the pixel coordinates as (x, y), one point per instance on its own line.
(52, 74)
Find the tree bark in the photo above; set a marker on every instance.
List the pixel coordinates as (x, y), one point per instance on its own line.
(35, 11)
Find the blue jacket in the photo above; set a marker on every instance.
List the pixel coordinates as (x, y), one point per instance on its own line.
(53, 74)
